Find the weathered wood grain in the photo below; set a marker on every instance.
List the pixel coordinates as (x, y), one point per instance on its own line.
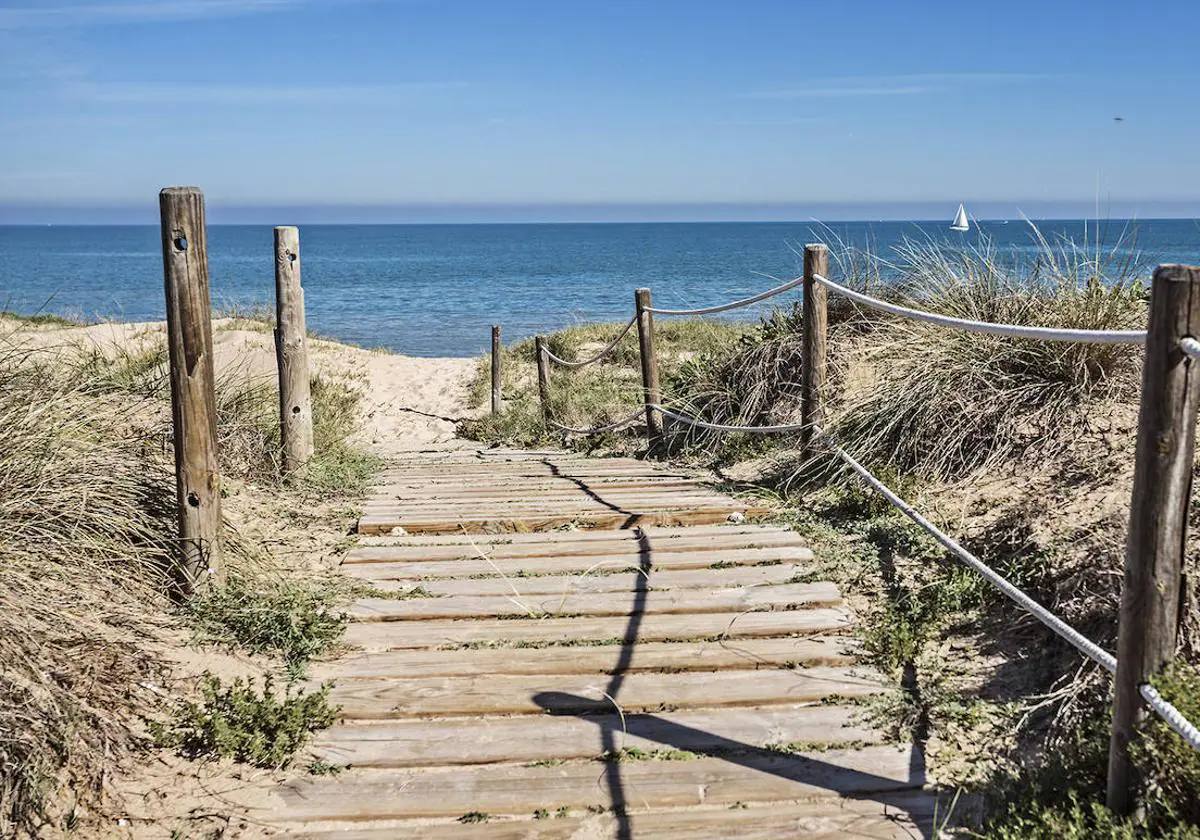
(291, 352)
(742, 654)
(573, 631)
(193, 402)
(450, 741)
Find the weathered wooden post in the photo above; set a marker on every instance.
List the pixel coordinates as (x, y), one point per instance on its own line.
(496, 350)
(543, 370)
(815, 337)
(1162, 483)
(291, 353)
(193, 403)
(651, 392)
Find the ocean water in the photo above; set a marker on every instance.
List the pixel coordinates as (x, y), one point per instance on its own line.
(434, 290)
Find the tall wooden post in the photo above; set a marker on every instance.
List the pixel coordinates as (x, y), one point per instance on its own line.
(291, 353)
(543, 370)
(814, 344)
(1162, 484)
(651, 392)
(496, 372)
(193, 403)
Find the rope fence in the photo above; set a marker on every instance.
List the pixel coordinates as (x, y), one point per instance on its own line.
(596, 430)
(591, 360)
(1166, 432)
(736, 304)
(1009, 330)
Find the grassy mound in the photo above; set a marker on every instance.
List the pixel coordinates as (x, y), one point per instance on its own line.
(87, 538)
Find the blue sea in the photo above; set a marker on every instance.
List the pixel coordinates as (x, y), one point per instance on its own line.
(434, 290)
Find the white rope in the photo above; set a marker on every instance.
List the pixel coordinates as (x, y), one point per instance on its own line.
(1190, 347)
(593, 359)
(1083, 644)
(595, 430)
(1173, 717)
(791, 284)
(721, 427)
(1011, 330)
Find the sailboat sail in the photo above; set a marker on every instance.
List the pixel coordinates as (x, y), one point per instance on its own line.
(960, 220)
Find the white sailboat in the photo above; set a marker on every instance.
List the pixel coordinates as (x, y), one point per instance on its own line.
(960, 220)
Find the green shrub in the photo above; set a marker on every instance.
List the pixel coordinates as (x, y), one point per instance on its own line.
(293, 620)
(238, 722)
(1074, 816)
(1169, 765)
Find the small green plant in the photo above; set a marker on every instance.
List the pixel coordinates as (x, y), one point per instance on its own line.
(289, 619)
(637, 754)
(239, 722)
(541, 814)
(319, 767)
(475, 817)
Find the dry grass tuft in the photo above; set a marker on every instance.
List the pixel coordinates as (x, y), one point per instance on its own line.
(85, 535)
(945, 402)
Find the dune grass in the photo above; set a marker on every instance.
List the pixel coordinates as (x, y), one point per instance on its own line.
(87, 541)
(86, 522)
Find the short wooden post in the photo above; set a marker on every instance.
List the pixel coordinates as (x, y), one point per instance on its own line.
(193, 403)
(814, 344)
(291, 353)
(651, 392)
(543, 370)
(1162, 485)
(496, 350)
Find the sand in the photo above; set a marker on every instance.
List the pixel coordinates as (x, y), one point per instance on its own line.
(408, 402)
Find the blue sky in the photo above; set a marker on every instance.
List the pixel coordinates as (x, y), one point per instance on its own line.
(409, 110)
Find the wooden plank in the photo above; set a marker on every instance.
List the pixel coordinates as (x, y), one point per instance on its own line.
(455, 487)
(534, 694)
(566, 631)
(629, 602)
(722, 530)
(903, 816)
(744, 654)
(424, 743)
(562, 544)
(506, 499)
(738, 576)
(384, 523)
(596, 563)
(877, 772)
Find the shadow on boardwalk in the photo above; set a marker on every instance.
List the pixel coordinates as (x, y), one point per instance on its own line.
(801, 769)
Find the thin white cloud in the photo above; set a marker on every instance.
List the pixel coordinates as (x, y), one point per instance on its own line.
(910, 84)
(131, 11)
(832, 92)
(132, 93)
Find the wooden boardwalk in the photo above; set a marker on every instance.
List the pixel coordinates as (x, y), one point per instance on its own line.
(637, 679)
